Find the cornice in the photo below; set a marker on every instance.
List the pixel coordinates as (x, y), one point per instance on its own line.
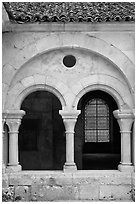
(69, 27)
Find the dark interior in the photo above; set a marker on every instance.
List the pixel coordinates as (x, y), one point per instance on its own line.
(98, 155)
(42, 133)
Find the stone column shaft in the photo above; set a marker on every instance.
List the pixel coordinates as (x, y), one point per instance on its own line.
(13, 144)
(3, 137)
(125, 148)
(70, 148)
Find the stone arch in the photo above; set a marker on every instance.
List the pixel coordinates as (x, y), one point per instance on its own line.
(82, 41)
(111, 85)
(22, 89)
(91, 43)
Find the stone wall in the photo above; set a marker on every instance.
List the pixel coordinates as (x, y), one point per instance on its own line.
(33, 61)
(59, 186)
(29, 58)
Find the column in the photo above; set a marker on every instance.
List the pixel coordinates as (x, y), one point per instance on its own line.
(125, 119)
(13, 121)
(3, 137)
(69, 119)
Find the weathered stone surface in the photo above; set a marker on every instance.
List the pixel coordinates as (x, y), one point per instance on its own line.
(20, 179)
(5, 181)
(22, 193)
(8, 73)
(62, 180)
(39, 79)
(8, 194)
(89, 191)
(28, 81)
(53, 193)
(133, 185)
(115, 192)
(82, 185)
(102, 177)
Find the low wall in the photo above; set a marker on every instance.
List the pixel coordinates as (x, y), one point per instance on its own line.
(61, 186)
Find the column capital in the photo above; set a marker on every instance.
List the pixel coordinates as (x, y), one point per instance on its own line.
(13, 119)
(123, 114)
(15, 114)
(69, 113)
(4, 115)
(125, 119)
(69, 119)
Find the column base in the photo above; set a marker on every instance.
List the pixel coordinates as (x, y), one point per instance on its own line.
(13, 168)
(125, 168)
(69, 167)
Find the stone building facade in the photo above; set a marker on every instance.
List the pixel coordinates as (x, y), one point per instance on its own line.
(68, 105)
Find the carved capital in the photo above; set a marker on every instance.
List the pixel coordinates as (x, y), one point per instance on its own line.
(125, 119)
(13, 120)
(69, 119)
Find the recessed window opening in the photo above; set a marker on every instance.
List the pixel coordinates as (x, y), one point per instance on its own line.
(97, 133)
(69, 61)
(97, 121)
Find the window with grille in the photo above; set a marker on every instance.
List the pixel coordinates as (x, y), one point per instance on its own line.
(97, 121)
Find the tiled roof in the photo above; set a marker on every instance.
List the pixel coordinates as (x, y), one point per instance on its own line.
(92, 12)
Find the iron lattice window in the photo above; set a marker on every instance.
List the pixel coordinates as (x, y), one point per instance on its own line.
(97, 121)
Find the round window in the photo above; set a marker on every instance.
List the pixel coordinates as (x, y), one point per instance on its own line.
(69, 61)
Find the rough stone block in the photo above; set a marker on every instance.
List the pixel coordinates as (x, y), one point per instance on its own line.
(18, 88)
(116, 178)
(53, 193)
(5, 181)
(84, 179)
(22, 193)
(20, 179)
(62, 88)
(28, 81)
(77, 88)
(8, 194)
(69, 98)
(89, 192)
(86, 81)
(39, 79)
(62, 179)
(115, 192)
(48, 43)
(7, 73)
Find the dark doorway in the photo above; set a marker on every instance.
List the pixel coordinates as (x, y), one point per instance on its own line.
(42, 133)
(99, 135)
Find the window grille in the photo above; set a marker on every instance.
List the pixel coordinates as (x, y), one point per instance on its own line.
(97, 121)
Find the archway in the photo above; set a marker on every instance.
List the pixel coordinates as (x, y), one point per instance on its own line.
(97, 138)
(42, 133)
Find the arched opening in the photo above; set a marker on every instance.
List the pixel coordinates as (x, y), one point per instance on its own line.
(6, 144)
(41, 133)
(97, 138)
